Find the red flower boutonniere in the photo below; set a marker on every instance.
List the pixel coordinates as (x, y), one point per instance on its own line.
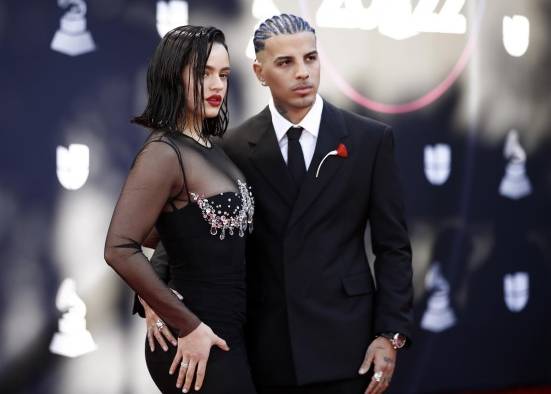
(341, 151)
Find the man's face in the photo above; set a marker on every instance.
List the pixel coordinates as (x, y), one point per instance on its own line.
(290, 66)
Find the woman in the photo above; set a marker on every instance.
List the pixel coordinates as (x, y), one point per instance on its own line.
(198, 202)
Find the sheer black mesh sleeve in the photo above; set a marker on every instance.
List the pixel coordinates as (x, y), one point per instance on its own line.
(159, 262)
(154, 179)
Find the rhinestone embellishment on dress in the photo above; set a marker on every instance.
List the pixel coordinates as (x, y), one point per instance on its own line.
(221, 220)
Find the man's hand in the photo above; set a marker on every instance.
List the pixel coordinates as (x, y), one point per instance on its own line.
(152, 323)
(193, 353)
(382, 354)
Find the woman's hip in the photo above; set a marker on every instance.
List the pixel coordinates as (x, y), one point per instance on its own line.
(227, 372)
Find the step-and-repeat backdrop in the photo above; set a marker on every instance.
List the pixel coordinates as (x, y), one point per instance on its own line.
(465, 84)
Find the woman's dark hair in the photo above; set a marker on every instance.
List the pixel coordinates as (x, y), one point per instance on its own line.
(166, 103)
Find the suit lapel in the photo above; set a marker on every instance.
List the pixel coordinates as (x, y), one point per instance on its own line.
(332, 132)
(266, 157)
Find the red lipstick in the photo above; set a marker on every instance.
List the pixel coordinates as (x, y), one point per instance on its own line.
(215, 100)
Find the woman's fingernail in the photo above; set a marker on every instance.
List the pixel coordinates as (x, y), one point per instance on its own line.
(175, 343)
(165, 348)
(362, 371)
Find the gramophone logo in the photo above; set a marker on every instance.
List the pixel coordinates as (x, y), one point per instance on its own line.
(171, 14)
(73, 166)
(437, 163)
(439, 316)
(72, 338)
(516, 288)
(516, 35)
(72, 38)
(515, 183)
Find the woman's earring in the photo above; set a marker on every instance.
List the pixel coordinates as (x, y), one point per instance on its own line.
(263, 82)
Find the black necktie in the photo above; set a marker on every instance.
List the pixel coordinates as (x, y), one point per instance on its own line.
(295, 157)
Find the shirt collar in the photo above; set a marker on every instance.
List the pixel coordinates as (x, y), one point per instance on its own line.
(310, 123)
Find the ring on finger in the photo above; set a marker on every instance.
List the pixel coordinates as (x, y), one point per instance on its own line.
(378, 376)
(160, 324)
(184, 365)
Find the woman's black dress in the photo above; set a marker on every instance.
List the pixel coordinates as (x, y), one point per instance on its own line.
(203, 224)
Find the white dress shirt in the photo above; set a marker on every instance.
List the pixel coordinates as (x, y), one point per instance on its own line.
(310, 124)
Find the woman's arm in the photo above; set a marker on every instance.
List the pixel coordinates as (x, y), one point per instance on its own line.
(152, 239)
(159, 262)
(153, 179)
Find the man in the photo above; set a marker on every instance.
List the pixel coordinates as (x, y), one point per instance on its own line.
(316, 321)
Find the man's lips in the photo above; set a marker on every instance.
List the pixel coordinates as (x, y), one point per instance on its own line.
(303, 89)
(214, 100)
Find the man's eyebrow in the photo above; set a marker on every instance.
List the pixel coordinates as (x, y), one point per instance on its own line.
(287, 57)
(280, 58)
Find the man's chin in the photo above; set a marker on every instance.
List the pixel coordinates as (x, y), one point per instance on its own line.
(305, 101)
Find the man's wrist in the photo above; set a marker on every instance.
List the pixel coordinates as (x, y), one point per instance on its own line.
(396, 339)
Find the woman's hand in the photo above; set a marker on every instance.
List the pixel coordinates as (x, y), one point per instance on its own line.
(193, 353)
(156, 327)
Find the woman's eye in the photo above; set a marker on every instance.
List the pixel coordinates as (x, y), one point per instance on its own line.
(224, 76)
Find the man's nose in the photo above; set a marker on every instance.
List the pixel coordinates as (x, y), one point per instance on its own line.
(302, 71)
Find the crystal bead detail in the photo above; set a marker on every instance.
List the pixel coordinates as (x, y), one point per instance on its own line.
(241, 219)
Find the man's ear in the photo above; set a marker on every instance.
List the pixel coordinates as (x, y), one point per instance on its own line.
(257, 68)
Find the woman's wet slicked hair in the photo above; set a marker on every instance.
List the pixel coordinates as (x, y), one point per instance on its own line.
(166, 104)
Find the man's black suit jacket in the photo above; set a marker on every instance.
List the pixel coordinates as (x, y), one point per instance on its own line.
(313, 306)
